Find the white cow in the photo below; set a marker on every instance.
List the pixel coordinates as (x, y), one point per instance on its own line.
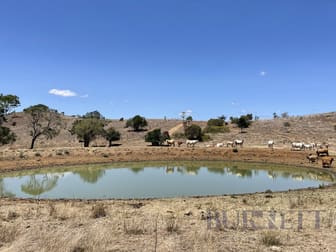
(238, 142)
(191, 143)
(297, 146)
(270, 144)
(220, 145)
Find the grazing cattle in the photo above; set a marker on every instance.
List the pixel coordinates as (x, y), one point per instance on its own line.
(220, 145)
(229, 143)
(179, 143)
(239, 142)
(297, 146)
(270, 144)
(191, 143)
(308, 146)
(312, 158)
(322, 152)
(170, 142)
(326, 162)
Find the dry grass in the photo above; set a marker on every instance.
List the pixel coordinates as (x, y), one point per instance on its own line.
(98, 211)
(271, 239)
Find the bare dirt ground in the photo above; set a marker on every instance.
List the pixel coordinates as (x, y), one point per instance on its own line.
(301, 220)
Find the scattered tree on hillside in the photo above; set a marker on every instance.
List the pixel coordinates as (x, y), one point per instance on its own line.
(87, 129)
(189, 118)
(215, 122)
(7, 103)
(284, 115)
(243, 121)
(94, 114)
(156, 137)
(275, 115)
(137, 123)
(44, 121)
(111, 135)
(193, 132)
(216, 126)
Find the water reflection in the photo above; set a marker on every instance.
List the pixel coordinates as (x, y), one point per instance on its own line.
(90, 174)
(128, 180)
(3, 191)
(37, 184)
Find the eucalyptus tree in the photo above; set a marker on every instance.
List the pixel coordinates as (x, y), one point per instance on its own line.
(7, 104)
(43, 121)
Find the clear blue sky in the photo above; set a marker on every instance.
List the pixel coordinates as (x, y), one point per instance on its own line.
(158, 58)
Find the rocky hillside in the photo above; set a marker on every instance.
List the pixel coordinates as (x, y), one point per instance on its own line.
(312, 128)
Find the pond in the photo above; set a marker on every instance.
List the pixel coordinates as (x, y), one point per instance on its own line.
(157, 179)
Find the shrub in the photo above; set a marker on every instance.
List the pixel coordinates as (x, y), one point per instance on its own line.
(137, 123)
(216, 129)
(287, 124)
(156, 137)
(193, 132)
(98, 211)
(215, 122)
(270, 239)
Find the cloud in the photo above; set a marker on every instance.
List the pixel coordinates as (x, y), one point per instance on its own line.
(262, 73)
(64, 93)
(84, 96)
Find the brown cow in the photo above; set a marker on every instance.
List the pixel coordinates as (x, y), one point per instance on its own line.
(322, 152)
(312, 158)
(326, 162)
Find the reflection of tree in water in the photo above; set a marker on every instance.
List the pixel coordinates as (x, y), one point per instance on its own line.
(90, 174)
(3, 191)
(190, 170)
(272, 174)
(137, 169)
(240, 172)
(217, 170)
(36, 186)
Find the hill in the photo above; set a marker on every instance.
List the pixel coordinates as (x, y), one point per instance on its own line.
(317, 128)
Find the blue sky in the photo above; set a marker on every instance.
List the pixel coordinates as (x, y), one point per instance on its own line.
(161, 57)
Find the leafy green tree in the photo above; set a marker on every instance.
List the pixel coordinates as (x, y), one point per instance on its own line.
(7, 103)
(193, 132)
(137, 123)
(94, 114)
(189, 118)
(44, 121)
(87, 129)
(215, 122)
(244, 122)
(156, 137)
(111, 135)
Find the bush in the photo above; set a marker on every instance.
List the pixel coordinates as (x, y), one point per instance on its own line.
(287, 124)
(216, 129)
(156, 137)
(98, 211)
(270, 239)
(215, 122)
(193, 132)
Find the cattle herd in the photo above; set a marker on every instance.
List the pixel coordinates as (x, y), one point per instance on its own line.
(321, 150)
